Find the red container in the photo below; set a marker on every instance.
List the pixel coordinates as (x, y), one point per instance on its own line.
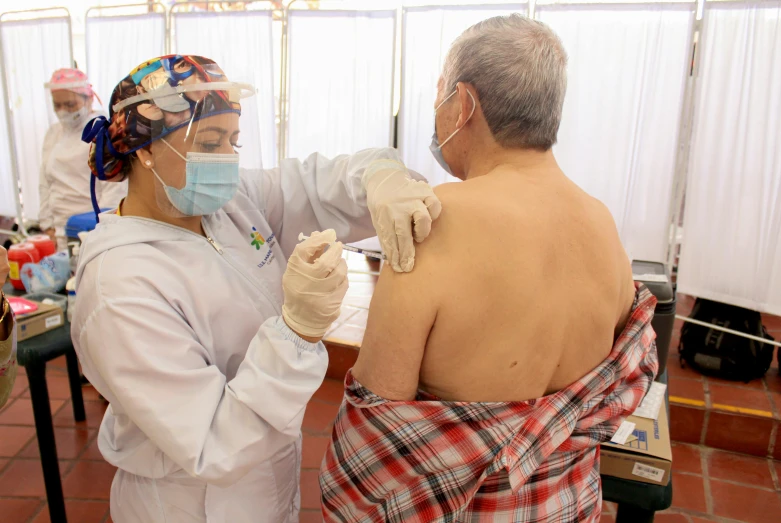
(45, 245)
(19, 256)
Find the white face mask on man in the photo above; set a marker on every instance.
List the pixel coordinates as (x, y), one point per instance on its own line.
(75, 119)
(436, 147)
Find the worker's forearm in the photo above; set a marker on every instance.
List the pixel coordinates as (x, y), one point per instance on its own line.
(7, 322)
(7, 352)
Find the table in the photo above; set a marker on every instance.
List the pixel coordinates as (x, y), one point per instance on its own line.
(33, 354)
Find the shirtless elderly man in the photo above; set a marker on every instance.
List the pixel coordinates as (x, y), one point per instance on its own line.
(490, 374)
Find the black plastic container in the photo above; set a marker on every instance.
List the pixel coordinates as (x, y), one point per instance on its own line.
(654, 276)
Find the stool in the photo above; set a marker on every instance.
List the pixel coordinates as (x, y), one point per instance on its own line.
(33, 354)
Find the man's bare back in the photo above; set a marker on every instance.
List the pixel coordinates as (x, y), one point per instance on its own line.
(519, 291)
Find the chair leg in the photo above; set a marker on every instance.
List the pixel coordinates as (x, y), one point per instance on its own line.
(630, 514)
(39, 392)
(75, 384)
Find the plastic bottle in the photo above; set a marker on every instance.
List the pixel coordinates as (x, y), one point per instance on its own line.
(70, 287)
(19, 256)
(74, 261)
(45, 245)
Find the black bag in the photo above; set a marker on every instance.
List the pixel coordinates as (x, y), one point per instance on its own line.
(721, 354)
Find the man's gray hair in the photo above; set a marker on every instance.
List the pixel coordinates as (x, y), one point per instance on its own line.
(519, 68)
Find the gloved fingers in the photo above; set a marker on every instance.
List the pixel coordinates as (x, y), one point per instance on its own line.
(340, 273)
(310, 247)
(328, 262)
(403, 231)
(318, 270)
(390, 243)
(434, 206)
(421, 222)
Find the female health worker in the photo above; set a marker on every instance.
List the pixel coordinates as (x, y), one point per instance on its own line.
(62, 185)
(198, 315)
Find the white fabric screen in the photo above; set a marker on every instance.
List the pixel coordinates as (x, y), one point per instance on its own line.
(731, 249)
(241, 43)
(117, 44)
(8, 190)
(341, 81)
(32, 51)
(619, 130)
(428, 33)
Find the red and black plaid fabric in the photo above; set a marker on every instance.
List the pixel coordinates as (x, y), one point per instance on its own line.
(442, 461)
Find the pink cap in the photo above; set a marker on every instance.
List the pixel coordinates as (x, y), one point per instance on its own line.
(70, 80)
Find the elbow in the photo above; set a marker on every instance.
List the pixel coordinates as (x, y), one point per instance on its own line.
(226, 469)
(391, 390)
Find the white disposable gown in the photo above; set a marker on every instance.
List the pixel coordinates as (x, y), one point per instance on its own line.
(64, 183)
(207, 385)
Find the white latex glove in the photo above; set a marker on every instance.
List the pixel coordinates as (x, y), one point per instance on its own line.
(401, 209)
(314, 284)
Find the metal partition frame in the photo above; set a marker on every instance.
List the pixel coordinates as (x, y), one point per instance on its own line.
(685, 130)
(15, 16)
(180, 5)
(687, 122)
(152, 8)
(687, 119)
(263, 5)
(336, 7)
(686, 116)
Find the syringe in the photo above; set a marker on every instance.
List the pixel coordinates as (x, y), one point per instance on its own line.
(369, 254)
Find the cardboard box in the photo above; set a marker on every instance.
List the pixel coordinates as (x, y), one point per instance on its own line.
(647, 459)
(46, 318)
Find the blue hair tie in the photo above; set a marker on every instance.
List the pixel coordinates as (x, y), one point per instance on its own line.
(96, 131)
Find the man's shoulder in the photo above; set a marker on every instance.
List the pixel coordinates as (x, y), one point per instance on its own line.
(445, 228)
(451, 192)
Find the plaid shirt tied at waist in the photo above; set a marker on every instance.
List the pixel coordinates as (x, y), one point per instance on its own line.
(445, 461)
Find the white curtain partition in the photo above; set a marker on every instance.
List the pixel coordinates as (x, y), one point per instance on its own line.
(32, 51)
(428, 33)
(117, 44)
(731, 249)
(619, 130)
(340, 81)
(241, 43)
(8, 190)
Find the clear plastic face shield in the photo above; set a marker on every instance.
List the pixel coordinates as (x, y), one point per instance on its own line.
(183, 119)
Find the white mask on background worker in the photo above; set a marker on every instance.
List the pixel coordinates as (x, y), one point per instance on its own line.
(71, 96)
(73, 119)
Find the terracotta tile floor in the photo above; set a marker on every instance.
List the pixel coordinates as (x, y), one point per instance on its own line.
(710, 485)
(86, 477)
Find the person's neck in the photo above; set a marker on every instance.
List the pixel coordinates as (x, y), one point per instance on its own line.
(484, 160)
(134, 205)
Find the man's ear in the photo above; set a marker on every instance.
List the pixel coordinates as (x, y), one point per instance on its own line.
(467, 104)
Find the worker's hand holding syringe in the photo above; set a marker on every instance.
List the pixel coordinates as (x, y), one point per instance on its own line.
(314, 283)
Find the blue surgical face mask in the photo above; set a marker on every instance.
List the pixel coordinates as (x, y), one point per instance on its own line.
(436, 147)
(212, 181)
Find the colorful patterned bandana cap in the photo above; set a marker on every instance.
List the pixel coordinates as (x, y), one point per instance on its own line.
(157, 98)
